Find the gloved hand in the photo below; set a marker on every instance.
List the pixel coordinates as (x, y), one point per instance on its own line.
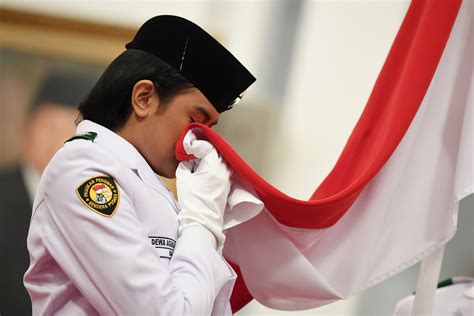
(203, 186)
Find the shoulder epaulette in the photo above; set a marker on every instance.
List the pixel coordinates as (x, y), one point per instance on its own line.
(87, 136)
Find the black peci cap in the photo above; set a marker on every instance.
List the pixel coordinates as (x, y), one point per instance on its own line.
(197, 56)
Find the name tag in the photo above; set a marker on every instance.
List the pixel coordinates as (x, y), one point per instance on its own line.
(164, 245)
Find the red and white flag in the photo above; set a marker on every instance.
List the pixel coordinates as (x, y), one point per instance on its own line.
(392, 197)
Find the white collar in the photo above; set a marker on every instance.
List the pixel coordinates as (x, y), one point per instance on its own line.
(115, 143)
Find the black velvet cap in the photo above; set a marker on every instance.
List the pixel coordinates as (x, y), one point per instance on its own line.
(197, 56)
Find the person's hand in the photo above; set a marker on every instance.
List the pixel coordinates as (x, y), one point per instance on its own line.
(203, 186)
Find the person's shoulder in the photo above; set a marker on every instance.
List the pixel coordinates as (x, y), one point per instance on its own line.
(82, 154)
(76, 162)
(80, 176)
(81, 150)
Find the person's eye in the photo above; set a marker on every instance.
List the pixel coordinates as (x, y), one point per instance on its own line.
(191, 119)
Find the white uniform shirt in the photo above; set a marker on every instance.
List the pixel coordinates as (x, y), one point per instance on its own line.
(453, 300)
(129, 263)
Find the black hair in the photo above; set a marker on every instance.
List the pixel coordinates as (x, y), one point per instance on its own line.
(109, 102)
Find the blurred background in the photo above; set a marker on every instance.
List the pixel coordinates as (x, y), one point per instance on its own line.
(315, 61)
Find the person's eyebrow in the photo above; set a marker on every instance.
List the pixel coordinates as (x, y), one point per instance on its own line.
(206, 115)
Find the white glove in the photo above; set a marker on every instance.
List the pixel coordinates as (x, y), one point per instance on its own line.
(203, 186)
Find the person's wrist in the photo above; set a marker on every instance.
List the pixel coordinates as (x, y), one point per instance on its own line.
(199, 232)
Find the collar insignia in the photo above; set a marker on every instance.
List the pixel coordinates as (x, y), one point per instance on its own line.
(87, 136)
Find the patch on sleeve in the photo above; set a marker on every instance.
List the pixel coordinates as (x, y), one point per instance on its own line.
(100, 194)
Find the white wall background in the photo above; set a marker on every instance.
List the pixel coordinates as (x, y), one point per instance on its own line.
(316, 62)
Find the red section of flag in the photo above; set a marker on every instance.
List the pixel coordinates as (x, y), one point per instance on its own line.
(240, 295)
(395, 99)
(398, 92)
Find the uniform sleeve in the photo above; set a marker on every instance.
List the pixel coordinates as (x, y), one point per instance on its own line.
(110, 262)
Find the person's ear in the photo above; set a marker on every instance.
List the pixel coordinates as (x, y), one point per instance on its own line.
(144, 98)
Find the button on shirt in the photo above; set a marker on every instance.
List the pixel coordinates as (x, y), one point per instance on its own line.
(132, 262)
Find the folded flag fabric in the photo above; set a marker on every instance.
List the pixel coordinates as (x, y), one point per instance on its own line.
(242, 202)
(392, 197)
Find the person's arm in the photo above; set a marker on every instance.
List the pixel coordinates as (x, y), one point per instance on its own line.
(111, 264)
(203, 186)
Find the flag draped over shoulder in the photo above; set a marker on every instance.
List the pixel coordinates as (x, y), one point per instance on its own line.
(392, 197)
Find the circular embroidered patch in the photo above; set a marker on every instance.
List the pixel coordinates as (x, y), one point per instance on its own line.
(100, 194)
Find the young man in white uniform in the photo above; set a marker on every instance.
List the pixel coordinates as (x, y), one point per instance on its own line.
(106, 236)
